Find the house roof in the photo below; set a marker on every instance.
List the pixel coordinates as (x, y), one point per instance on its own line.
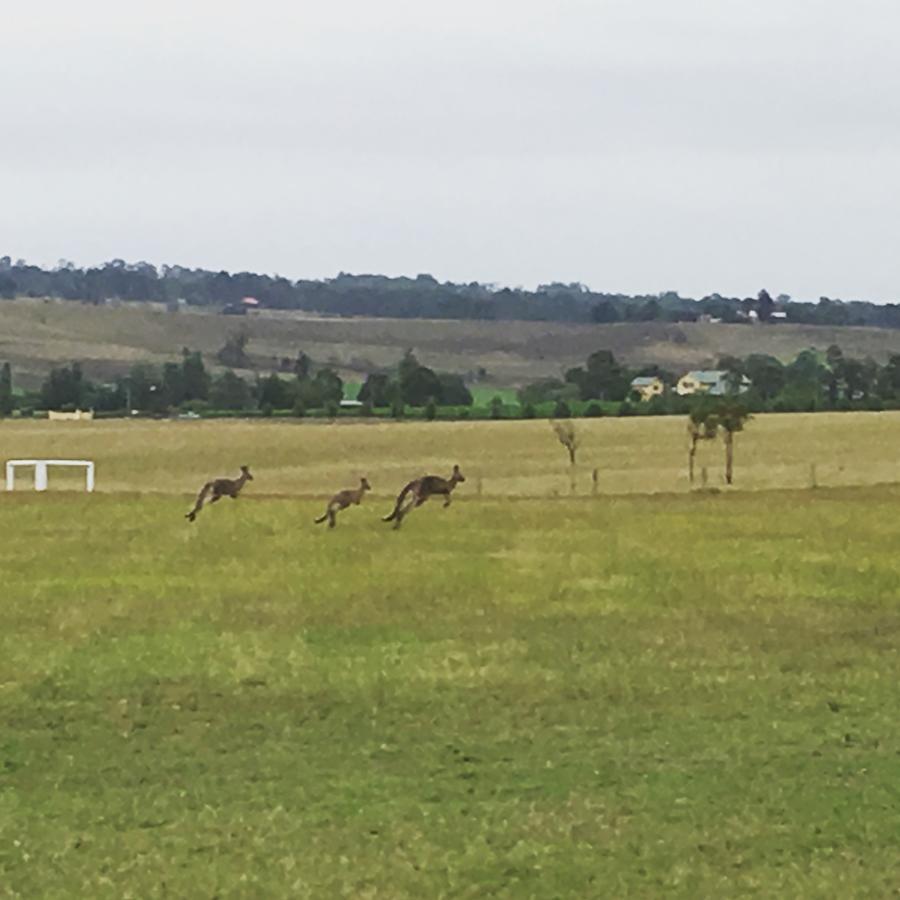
(644, 380)
(706, 376)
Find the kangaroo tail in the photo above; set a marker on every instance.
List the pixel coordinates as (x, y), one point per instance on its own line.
(200, 499)
(321, 518)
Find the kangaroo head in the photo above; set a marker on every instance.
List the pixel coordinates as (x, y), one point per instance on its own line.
(246, 473)
(457, 475)
(364, 484)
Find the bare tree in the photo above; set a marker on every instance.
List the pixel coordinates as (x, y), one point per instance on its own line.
(568, 437)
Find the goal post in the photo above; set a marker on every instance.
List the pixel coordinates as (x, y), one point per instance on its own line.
(40, 467)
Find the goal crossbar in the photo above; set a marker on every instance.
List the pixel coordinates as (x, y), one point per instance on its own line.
(40, 471)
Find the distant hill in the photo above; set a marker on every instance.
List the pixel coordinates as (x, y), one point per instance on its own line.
(36, 334)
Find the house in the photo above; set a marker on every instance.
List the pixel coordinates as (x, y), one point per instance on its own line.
(647, 386)
(708, 381)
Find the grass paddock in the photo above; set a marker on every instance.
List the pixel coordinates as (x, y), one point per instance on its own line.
(688, 695)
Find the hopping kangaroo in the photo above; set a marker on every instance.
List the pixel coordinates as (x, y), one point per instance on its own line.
(220, 487)
(420, 490)
(343, 499)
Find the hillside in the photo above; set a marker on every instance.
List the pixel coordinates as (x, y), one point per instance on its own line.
(36, 334)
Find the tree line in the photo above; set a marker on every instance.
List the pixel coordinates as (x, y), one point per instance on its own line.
(422, 296)
(188, 385)
(812, 381)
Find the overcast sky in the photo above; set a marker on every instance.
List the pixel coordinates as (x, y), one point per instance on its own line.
(634, 145)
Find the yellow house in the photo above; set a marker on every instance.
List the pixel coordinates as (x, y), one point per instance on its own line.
(647, 386)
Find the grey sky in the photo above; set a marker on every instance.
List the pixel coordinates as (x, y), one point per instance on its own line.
(635, 145)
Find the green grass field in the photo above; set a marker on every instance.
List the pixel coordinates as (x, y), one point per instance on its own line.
(520, 696)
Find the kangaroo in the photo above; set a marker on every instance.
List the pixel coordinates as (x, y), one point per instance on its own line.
(420, 490)
(343, 499)
(220, 487)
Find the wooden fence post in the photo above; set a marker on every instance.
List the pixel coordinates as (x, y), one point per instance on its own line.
(595, 487)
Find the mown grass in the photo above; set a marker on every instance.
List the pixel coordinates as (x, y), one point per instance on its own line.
(677, 695)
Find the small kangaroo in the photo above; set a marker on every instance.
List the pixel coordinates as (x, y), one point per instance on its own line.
(220, 487)
(343, 499)
(421, 489)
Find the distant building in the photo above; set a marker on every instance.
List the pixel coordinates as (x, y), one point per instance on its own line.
(647, 386)
(79, 415)
(708, 381)
(242, 308)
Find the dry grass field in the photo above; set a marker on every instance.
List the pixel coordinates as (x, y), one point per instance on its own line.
(515, 458)
(37, 334)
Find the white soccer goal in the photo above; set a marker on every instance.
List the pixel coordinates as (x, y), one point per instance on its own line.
(40, 471)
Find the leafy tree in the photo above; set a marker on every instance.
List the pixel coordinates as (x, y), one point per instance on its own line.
(233, 352)
(604, 311)
(194, 377)
(141, 387)
(766, 374)
(330, 386)
(431, 410)
(601, 379)
(302, 365)
(377, 390)
(702, 426)
(65, 388)
(406, 368)
(731, 416)
(765, 306)
(6, 391)
(453, 390)
(547, 390)
(276, 393)
(419, 386)
(230, 391)
(889, 378)
(561, 410)
(803, 381)
(496, 408)
(172, 387)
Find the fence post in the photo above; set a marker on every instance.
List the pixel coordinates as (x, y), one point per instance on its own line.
(703, 476)
(595, 487)
(813, 483)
